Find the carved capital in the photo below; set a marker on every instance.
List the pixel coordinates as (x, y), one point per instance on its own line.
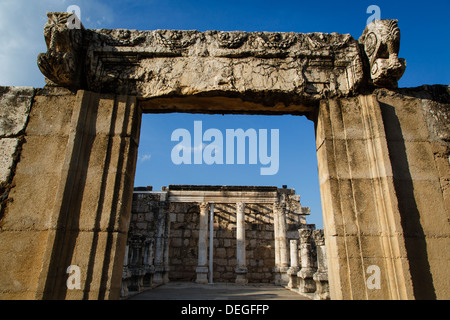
(319, 237)
(240, 207)
(204, 206)
(61, 63)
(279, 207)
(305, 235)
(381, 42)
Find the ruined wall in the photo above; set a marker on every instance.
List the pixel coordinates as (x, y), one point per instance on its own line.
(384, 198)
(26, 221)
(67, 203)
(15, 104)
(183, 237)
(417, 127)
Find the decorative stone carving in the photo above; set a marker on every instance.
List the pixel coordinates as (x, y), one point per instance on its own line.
(277, 40)
(381, 42)
(301, 68)
(232, 40)
(321, 276)
(62, 64)
(136, 263)
(305, 275)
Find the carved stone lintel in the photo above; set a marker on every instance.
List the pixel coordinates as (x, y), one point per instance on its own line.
(381, 41)
(151, 64)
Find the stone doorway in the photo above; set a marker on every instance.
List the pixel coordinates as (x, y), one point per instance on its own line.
(382, 152)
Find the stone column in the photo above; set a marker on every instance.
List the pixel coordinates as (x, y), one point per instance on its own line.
(321, 276)
(281, 268)
(241, 268)
(305, 275)
(202, 268)
(293, 270)
(136, 264)
(158, 277)
(148, 263)
(126, 274)
(166, 244)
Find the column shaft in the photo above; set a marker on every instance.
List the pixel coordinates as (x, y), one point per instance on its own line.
(241, 268)
(202, 268)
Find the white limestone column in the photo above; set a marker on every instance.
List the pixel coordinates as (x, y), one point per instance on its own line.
(321, 276)
(306, 282)
(282, 267)
(211, 242)
(276, 237)
(241, 268)
(294, 268)
(158, 277)
(284, 262)
(202, 268)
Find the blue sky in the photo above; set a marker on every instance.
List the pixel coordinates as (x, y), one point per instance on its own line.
(425, 45)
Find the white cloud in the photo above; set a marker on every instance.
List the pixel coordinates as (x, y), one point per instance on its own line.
(145, 157)
(22, 39)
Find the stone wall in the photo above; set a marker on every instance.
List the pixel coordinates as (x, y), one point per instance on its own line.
(68, 163)
(183, 234)
(67, 203)
(383, 169)
(15, 105)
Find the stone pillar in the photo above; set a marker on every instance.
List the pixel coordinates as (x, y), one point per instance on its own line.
(136, 264)
(202, 268)
(241, 268)
(166, 244)
(125, 274)
(160, 245)
(293, 270)
(88, 189)
(148, 263)
(280, 270)
(360, 204)
(321, 276)
(305, 275)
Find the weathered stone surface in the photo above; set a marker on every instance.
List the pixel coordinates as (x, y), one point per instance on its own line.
(244, 250)
(299, 68)
(62, 63)
(15, 103)
(381, 41)
(382, 156)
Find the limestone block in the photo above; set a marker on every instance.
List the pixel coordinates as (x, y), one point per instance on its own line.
(7, 150)
(15, 103)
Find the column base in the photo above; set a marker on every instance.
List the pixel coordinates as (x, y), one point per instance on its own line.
(281, 277)
(293, 279)
(306, 281)
(158, 277)
(202, 275)
(241, 276)
(322, 287)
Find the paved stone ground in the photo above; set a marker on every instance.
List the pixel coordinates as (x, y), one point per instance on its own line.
(218, 291)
